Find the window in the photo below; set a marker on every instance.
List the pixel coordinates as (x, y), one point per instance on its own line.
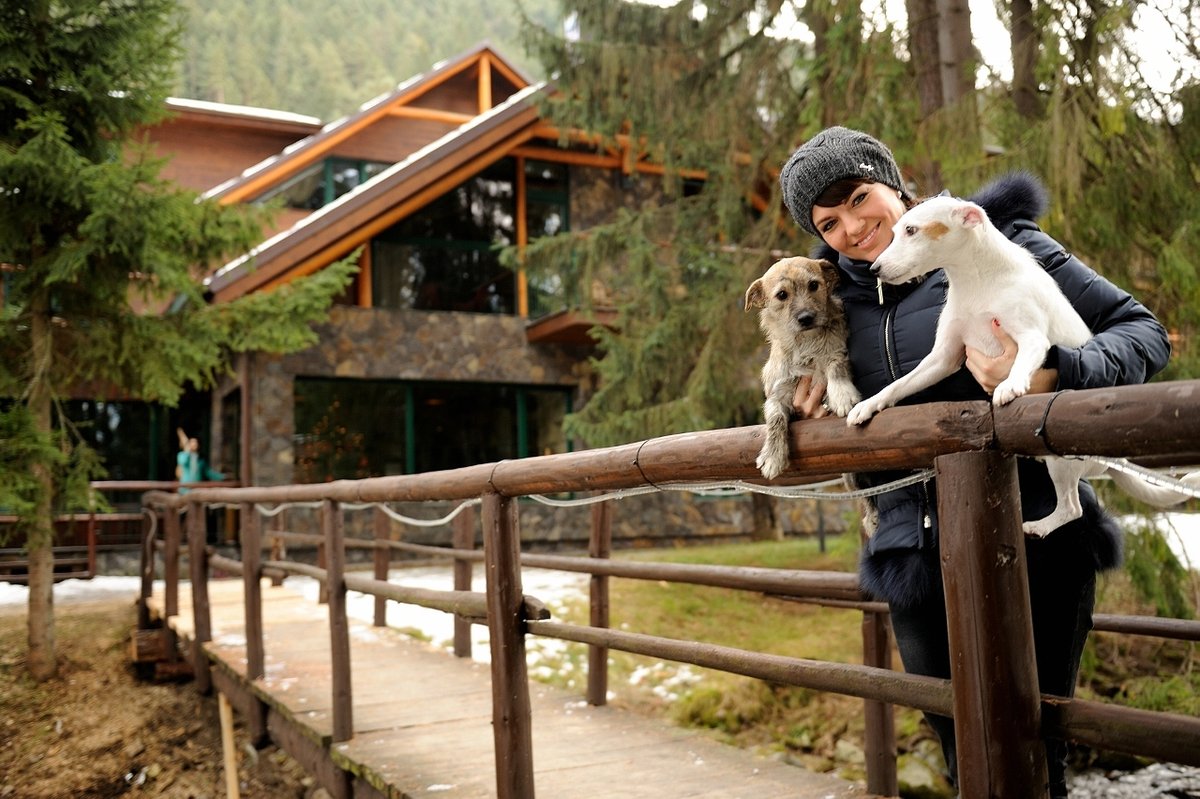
(547, 212)
(368, 428)
(445, 257)
(322, 183)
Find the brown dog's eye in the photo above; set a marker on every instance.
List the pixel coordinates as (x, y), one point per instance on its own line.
(910, 230)
(781, 295)
(814, 286)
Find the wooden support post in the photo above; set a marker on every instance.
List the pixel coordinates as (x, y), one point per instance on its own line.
(383, 560)
(228, 747)
(252, 581)
(146, 570)
(172, 537)
(511, 714)
(278, 550)
(599, 546)
(997, 705)
(464, 538)
(879, 717)
(197, 534)
(339, 625)
(323, 563)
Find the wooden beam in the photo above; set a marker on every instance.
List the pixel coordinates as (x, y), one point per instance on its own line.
(522, 240)
(485, 83)
(366, 298)
(455, 118)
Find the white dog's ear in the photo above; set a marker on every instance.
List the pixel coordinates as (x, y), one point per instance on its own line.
(969, 215)
(756, 297)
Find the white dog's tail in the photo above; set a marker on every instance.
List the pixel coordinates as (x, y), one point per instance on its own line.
(1160, 496)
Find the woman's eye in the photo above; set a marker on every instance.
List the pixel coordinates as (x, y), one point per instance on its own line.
(858, 198)
(827, 226)
(781, 295)
(814, 286)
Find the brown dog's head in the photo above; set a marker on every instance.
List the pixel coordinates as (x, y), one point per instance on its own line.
(795, 294)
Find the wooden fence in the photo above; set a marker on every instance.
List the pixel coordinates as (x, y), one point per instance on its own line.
(999, 715)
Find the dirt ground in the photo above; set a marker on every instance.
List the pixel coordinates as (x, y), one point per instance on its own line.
(97, 731)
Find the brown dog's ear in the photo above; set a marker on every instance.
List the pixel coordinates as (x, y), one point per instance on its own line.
(755, 296)
(830, 271)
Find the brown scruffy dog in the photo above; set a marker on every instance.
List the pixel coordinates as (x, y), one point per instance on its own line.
(805, 325)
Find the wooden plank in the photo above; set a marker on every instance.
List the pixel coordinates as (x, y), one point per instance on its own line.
(423, 720)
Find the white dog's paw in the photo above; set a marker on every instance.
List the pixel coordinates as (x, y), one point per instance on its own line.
(1038, 529)
(773, 459)
(862, 412)
(1009, 390)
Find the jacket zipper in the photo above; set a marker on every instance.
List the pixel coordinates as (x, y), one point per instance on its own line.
(889, 355)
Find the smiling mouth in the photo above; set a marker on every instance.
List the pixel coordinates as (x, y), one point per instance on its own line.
(865, 240)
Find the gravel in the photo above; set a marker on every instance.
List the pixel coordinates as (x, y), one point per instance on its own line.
(1157, 780)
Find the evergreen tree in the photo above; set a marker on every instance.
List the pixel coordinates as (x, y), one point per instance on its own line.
(101, 257)
(722, 92)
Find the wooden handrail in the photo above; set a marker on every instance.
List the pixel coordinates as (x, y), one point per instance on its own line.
(970, 444)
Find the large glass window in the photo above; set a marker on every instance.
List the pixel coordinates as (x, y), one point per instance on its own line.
(445, 257)
(323, 182)
(367, 428)
(547, 212)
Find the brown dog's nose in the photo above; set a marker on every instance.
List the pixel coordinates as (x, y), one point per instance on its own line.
(806, 320)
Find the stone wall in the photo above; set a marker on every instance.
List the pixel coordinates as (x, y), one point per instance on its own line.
(386, 344)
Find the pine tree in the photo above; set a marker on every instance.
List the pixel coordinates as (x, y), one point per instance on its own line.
(101, 257)
(720, 92)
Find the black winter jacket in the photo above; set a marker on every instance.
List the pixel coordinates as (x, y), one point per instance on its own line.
(887, 340)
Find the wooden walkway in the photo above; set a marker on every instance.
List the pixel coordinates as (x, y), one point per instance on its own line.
(423, 718)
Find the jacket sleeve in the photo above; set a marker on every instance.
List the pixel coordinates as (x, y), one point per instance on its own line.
(1129, 345)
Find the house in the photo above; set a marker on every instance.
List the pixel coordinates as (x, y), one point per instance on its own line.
(437, 356)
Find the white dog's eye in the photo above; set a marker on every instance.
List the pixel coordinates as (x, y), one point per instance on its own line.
(910, 230)
(781, 295)
(814, 286)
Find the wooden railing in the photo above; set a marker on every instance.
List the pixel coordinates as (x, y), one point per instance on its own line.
(81, 536)
(999, 715)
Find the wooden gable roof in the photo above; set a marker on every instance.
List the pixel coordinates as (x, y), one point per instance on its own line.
(418, 111)
(335, 230)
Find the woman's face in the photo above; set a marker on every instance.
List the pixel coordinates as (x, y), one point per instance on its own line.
(861, 226)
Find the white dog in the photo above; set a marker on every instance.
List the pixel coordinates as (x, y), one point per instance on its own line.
(806, 327)
(991, 277)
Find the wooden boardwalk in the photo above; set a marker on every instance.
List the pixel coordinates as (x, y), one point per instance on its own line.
(423, 718)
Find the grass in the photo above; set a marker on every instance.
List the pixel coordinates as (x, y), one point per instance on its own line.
(822, 731)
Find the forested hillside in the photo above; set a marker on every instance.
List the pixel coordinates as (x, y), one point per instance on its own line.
(326, 58)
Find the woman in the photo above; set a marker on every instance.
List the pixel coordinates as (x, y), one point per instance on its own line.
(844, 187)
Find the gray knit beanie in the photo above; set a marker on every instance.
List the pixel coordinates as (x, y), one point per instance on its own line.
(833, 154)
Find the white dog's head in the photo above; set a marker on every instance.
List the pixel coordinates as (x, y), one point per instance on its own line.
(929, 236)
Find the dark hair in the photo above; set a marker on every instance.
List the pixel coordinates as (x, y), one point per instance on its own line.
(839, 191)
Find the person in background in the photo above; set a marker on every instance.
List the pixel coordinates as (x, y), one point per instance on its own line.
(844, 187)
(189, 466)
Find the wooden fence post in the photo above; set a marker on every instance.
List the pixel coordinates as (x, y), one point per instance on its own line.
(278, 550)
(339, 626)
(197, 534)
(511, 714)
(146, 588)
(252, 581)
(879, 717)
(172, 536)
(599, 546)
(463, 538)
(997, 705)
(383, 560)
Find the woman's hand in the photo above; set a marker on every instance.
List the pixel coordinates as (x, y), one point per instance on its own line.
(990, 371)
(806, 402)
